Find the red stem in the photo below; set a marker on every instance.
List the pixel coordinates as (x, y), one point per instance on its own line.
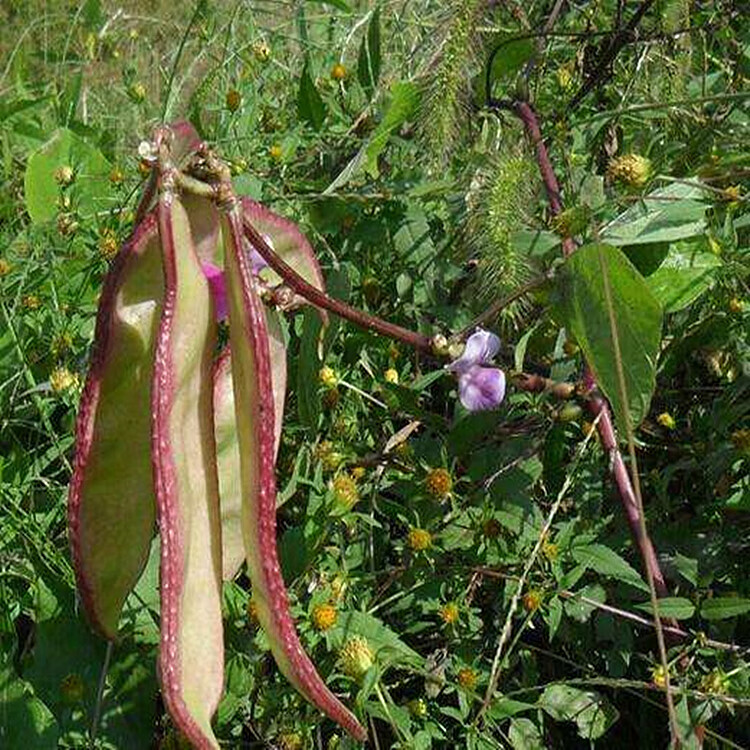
(321, 299)
(597, 405)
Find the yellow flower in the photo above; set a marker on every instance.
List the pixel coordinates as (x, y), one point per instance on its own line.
(550, 551)
(439, 483)
(391, 376)
(417, 707)
(116, 176)
(64, 175)
(72, 689)
(62, 379)
(137, 92)
(659, 676)
(467, 678)
(330, 458)
(328, 377)
(291, 741)
(731, 194)
(715, 682)
(31, 302)
(419, 539)
(338, 72)
(532, 600)
(108, 245)
(358, 472)
(5, 267)
(324, 616)
(449, 613)
(262, 51)
(61, 344)
(275, 152)
(356, 657)
(632, 170)
(666, 420)
(736, 305)
(345, 492)
(233, 99)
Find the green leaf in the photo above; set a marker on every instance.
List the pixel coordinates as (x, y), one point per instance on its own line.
(665, 215)
(525, 735)
(308, 366)
(721, 608)
(24, 720)
(675, 607)
(368, 64)
(684, 275)
(90, 190)
(310, 107)
(582, 308)
(608, 563)
(592, 712)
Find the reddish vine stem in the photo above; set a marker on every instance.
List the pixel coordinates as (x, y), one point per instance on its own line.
(597, 406)
(320, 299)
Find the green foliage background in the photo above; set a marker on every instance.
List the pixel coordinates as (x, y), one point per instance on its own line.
(424, 206)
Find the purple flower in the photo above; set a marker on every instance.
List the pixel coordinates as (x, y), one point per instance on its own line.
(216, 283)
(479, 387)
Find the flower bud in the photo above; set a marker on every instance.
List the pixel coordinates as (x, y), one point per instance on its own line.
(632, 170)
(356, 657)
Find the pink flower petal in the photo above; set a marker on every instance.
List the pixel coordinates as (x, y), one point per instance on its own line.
(481, 388)
(215, 277)
(481, 347)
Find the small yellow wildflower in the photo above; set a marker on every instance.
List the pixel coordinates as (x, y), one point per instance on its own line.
(72, 689)
(439, 483)
(345, 492)
(291, 741)
(715, 682)
(467, 678)
(417, 707)
(632, 170)
(358, 472)
(338, 72)
(116, 176)
(108, 245)
(62, 379)
(532, 600)
(666, 420)
(659, 676)
(275, 152)
(328, 456)
(64, 175)
(550, 550)
(30, 302)
(262, 51)
(419, 539)
(328, 377)
(233, 99)
(391, 375)
(731, 194)
(5, 267)
(449, 613)
(324, 616)
(356, 657)
(736, 305)
(137, 92)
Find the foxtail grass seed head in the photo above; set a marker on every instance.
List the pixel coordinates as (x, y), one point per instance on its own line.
(439, 483)
(631, 170)
(419, 540)
(324, 616)
(356, 657)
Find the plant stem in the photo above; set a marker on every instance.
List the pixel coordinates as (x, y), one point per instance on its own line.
(322, 300)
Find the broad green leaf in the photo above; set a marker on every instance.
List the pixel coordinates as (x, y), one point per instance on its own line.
(191, 657)
(583, 309)
(90, 190)
(402, 106)
(684, 275)
(502, 708)
(722, 608)
(674, 607)
(310, 107)
(24, 720)
(665, 215)
(591, 711)
(607, 562)
(368, 63)
(112, 512)
(525, 735)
